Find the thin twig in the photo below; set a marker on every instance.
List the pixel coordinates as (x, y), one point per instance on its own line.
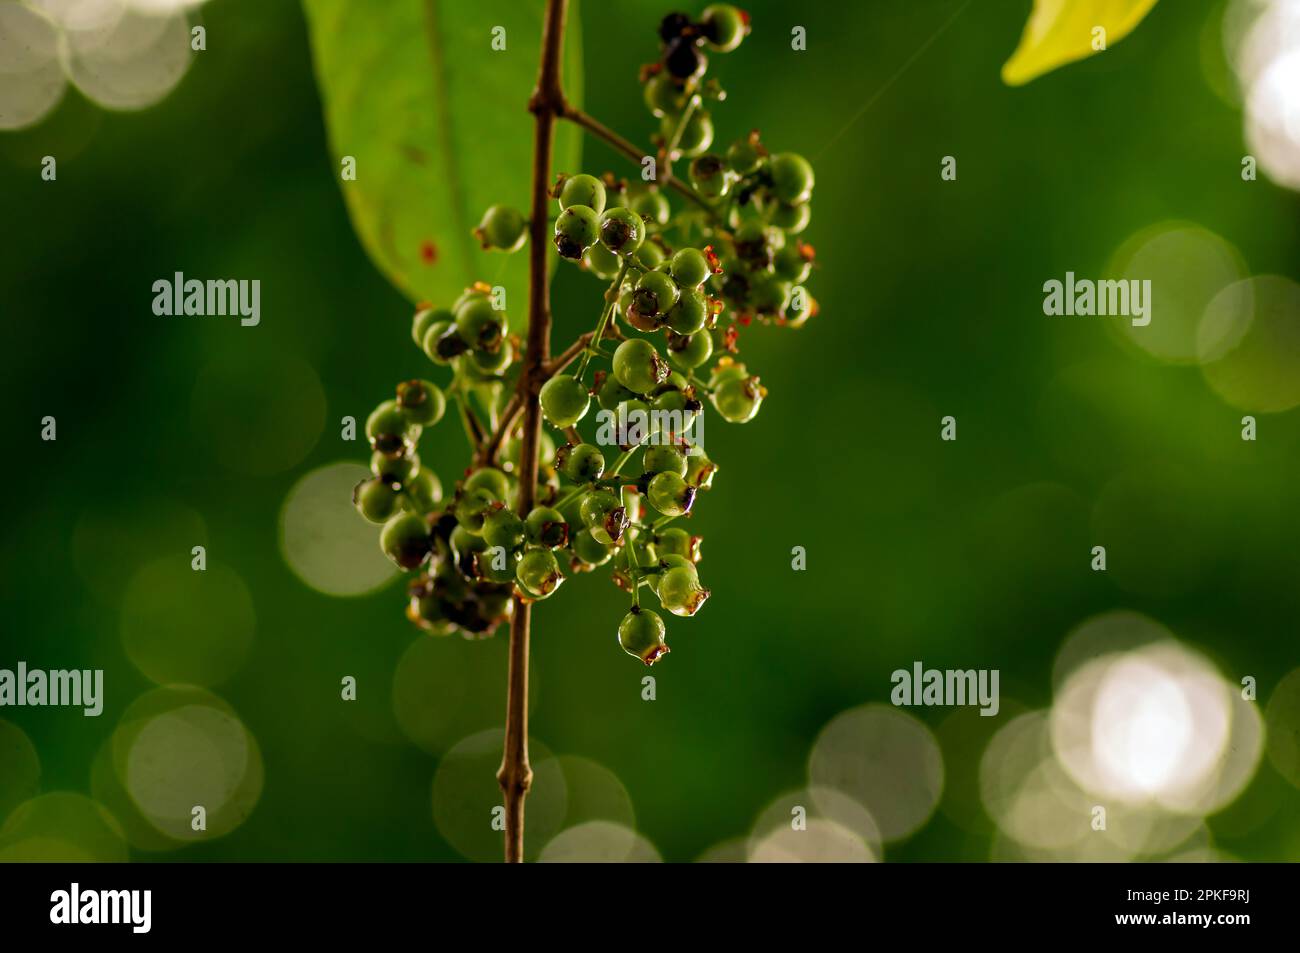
(515, 774)
(491, 448)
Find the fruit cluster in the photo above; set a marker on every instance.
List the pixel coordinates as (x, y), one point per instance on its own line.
(696, 277)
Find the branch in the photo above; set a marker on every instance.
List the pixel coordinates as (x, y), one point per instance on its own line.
(491, 447)
(603, 132)
(515, 774)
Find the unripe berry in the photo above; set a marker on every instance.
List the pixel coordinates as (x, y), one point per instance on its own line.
(656, 293)
(424, 319)
(604, 515)
(421, 401)
(621, 230)
(680, 592)
(539, 573)
(442, 342)
(791, 219)
(490, 479)
(502, 227)
(464, 545)
(768, 294)
(648, 256)
(689, 268)
(653, 205)
(641, 634)
(690, 351)
(802, 308)
(756, 243)
(405, 540)
(376, 500)
(792, 178)
(590, 550)
(638, 366)
(546, 527)
(744, 155)
(670, 495)
(564, 400)
(675, 541)
(690, 313)
(663, 458)
(480, 325)
(394, 470)
(576, 230)
(683, 59)
(601, 262)
(503, 528)
(583, 190)
(709, 175)
(480, 364)
(723, 26)
(793, 263)
(472, 508)
(700, 470)
(664, 95)
(583, 463)
(696, 136)
(422, 491)
(612, 393)
(738, 400)
(389, 430)
(497, 565)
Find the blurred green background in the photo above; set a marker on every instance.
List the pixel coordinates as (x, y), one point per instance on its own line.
(174, 432)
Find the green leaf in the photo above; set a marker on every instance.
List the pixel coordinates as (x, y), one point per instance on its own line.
(438, 123)
(1062, 31)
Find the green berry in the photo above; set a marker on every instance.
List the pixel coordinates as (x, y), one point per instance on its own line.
(675, 412)
(727, 370)
(690, 313)
(663, 458)
(394, 470)
(792, 178)
(576, 230)
(503, 528)
(675, 541)
(484, 364)
(640, 424)
(793, 263)
(700, 470)
(497, 564)
(648, 256)
(601, 262)
(480, 325)
(545, 526)
(802, 307)
(670, 495)
(690, 351)
(564, 400)
(723, 26)
(738, 399)
(424, 319)
(604, 515)
(653, 205)
(502, 227)
(689, 268)
(376, 500)
(590, 550)
(422, 491)
(744, 155)
(696, 135)
(680, 592)
(389, 430)
(638, 366)
(641, 634)
(442, 342)
(405, 540)
(664, 96)
(768, 294)
(612, 393)
(791, 219)
(621, 230)
(583, 190)
(710, 176)
(583, 463)
(490, 479)
(473, 507)
(656, 293)
(421, 401)
(539, 573)
(464, 544)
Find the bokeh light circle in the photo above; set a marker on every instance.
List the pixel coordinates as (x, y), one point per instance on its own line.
(886, 760)
(31, 78)
(601, 842)
(1250, 340)
(323, 538)
(61, 827)
(130, 63)
(187, 626)
(796, 812)
(20, 767)
(112, 541)
(1283, 718)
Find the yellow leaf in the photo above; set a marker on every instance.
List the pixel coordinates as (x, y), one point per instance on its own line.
(1062, 31)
